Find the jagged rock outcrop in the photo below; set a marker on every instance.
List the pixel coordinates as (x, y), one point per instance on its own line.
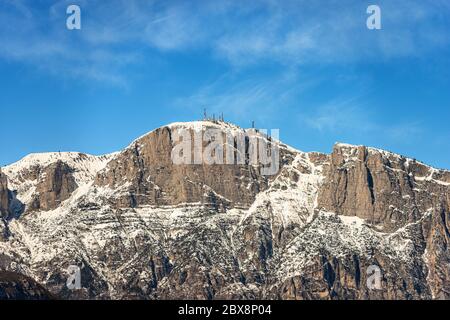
(140, 227)
(55, 186)
(14, 286)
(388, 190)
(148, 176)
(437, 255)
(4, 196)
(44, 181)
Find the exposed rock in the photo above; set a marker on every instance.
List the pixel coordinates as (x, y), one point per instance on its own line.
(437, 252)
(388, 190)
(41, 173)
(4, 196)
(55, 185)
(14, 286)
(148, 176)
(141, 227)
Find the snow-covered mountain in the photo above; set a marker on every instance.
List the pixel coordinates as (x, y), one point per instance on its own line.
(141, 227)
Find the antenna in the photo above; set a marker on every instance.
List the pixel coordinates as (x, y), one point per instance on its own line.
(204, 114)
(253, 124)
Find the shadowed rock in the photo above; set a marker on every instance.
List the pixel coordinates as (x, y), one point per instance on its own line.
(4, 196)
(14, 286)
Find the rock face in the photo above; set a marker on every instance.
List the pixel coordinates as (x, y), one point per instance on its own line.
(437, 254)
(4, 196)
(57, 185)
(148, 176)
(360, 223)
(45, 181)
(14, 286)
(388, 190)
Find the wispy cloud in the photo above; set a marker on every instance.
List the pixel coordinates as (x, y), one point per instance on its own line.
(38, 37)
(354, 116)
(240, 33)
(341, 115)
(311, 32)
(242, 97)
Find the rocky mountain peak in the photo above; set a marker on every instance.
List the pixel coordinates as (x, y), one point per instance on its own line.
(145, 173)
(140, 226)
(384, 188)
(42, 181)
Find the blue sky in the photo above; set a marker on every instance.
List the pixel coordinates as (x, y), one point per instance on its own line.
(310, 68)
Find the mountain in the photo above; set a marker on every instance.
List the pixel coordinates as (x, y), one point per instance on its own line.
(139, 226)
